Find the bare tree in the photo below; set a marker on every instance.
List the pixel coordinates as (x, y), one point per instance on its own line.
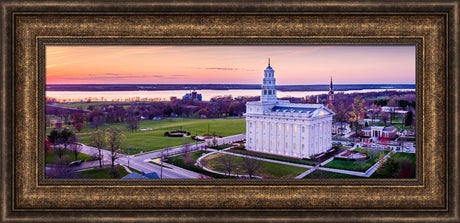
(185, 148)
(115, 137)
(252, 165)
(74, 145)
(100, 142)
(132, 123)
(228, 162)
(188, 159)
(375, 112)
(357, 111)
(392, 104)
(385, 118)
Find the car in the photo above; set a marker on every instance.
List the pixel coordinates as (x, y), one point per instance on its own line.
(75, 163)
(350, 144)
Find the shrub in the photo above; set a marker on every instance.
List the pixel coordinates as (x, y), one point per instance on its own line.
(114, 173)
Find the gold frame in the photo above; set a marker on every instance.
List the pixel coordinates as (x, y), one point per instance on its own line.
(432, 27)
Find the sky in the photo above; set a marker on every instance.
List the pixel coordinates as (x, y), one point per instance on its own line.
(229, 64)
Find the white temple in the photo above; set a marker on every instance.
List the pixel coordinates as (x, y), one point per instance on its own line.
(286, 129)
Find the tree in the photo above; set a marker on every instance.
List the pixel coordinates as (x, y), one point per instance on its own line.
(115, 137)
(65, 136)
(407, 169)
(357, 112)
(375, 112)
(55, 138)
(186, 148)
(78, 118)
(133, 123)
(252, 166)
(392, 103)
(96, 117)
(409, 118)
(188, 159)
(385, 118)
(74, 145)
(228, 162)
(100, 142)
(79, 126)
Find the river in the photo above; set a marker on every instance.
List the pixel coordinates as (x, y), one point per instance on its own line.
(165, 95)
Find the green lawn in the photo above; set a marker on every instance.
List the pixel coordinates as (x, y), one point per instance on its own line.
(360, 166)
(68, 156)
(273, 157)
(319, 174)
(179, 161)
(155, 139)
(98, 173)
(269, 169)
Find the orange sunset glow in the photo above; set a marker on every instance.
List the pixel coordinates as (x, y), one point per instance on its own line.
(229, 64)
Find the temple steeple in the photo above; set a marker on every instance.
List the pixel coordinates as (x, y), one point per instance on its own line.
(330, 95)
(269, 85)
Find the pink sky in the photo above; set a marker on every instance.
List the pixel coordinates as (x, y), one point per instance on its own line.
(229, 64)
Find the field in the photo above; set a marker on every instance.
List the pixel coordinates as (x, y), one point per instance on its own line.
(155, 139)
(269, 169)
(360, 166)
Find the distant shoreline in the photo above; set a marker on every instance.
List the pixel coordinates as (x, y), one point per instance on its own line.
(187, 87)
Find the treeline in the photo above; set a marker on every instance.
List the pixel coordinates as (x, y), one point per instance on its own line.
(217, 107)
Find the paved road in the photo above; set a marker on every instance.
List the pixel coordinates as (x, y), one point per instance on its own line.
(140, 162)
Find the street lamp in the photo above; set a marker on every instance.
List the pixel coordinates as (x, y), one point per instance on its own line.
(237, 172)
(129, 147)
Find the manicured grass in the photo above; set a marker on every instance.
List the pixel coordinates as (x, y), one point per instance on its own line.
(102, 173)
(319, 174)
(268, 170)
(360, 166)
(398, 157)
(155, 139)
(179, 161)
(68, 155)
(273, 157)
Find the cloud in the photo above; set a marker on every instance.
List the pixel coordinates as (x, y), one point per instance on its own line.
(112, 76)
(222, 68)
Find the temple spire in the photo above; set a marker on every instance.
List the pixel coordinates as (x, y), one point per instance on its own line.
(269, 61)
(330, 87)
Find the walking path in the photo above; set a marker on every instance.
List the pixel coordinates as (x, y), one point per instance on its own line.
(306, 173)
(198, 162)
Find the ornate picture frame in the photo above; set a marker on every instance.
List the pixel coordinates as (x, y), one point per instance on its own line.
(29, 26)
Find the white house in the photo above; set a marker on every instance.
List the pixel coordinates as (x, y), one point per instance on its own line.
(283, 128)
(341, 128)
